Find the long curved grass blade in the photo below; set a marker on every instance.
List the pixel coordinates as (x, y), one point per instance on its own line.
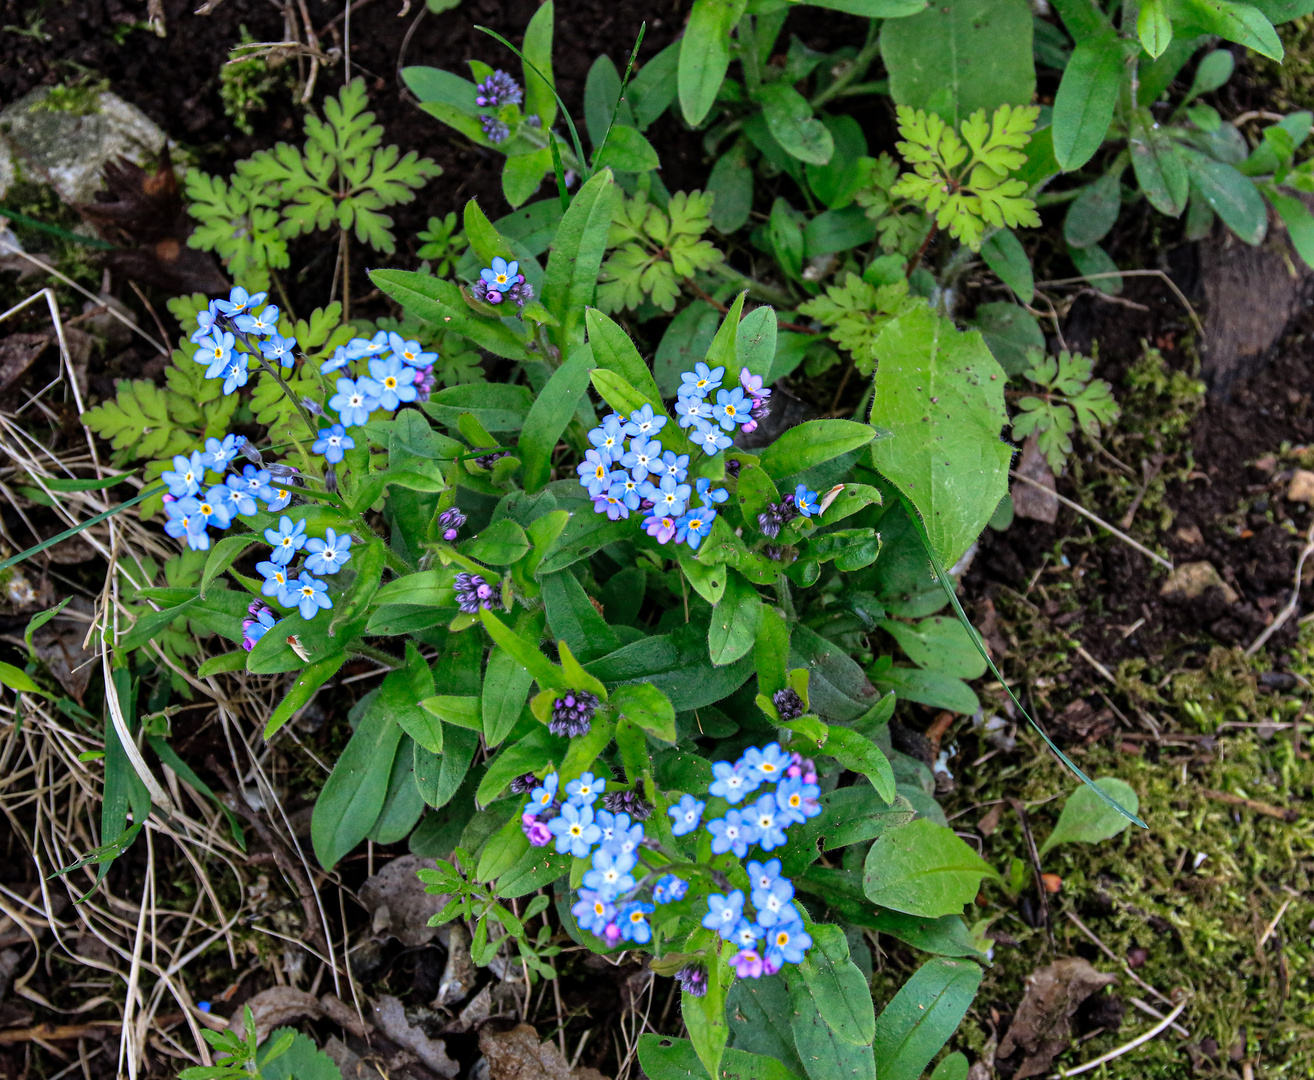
(625, 82)
(59, 538)
(943, 577)
(574, 135)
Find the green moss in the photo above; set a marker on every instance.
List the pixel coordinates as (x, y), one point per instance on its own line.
(245, 83)
(80, 97)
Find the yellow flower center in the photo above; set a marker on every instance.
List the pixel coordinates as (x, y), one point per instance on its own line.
(390, 383)
(206, 509)
(501, 279)
(408, 355)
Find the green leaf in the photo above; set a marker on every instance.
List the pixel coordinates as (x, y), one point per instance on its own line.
(577, 250)
(789, 118)
(523, 173)
(530, 754)
(941, 394)
(664, 1057)
(953, 59)
(1083, 106)
(873, 9)
(1159, 165)
(485, 241)
(705, 55)
(572, 617)
(812, 443)
(1093, 212)
(540, 99)
(839, 990)
(933, 688)
(1154, 27)
(354, 793)
(824, 1054)
(614, 351)
(923, 869)
(16, 678)
(546, 674)
(952, 1067)
(1242, 23)
(731, 181)
(401, 693)
(1230, 195)
(855, 751)
(223, 554)
(403, 805)
(1213, 71)
(1004, 254)
(303, 688)
(463, 710)
(922, 1016)
(938, 643)
(439, 777)
(735, 620)
(1088, 819)
(647, 707)
(627, 151)
(677, 664)
(1097, 266)
(1299, 222)
(498, 406)
(499, 544)
(440, 303)
(945, 936)
(548, 417)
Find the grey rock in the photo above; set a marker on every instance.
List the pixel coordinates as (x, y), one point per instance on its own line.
(68, 150)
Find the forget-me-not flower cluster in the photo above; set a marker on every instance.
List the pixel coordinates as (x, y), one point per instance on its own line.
(609, 903)
(786, 793)
(627, 469)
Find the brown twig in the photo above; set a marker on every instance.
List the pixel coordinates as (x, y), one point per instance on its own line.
(1287, 815)
(1292, 605)
(290, 870)
(917, 258)
(56, 1032)
(1021, 810)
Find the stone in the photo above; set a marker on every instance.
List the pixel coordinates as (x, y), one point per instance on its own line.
(1030, 501)
(67, 149)
(1191, 580)
(1301, 488)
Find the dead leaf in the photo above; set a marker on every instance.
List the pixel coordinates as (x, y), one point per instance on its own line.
(58, 644)
(990, 822)
(1030, 501)
(398, 904)
(474, 1014)
(1041, 1027)
(17, 353)
(273, 1008)
(1080, 723)
(459, 975)
(390, 1016)
(1302, 486)
(518, 1055)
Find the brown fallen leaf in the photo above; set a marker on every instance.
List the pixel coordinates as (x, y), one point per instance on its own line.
(390, 1016)
(17, 354)
(58, 645)
(398, 904)
(1030, 501)
(275, 1007)
(516, 1054)
(1042, 1025)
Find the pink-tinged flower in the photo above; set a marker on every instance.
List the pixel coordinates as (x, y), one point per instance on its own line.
(752, 383)
(661, 527)
(748, 964)
(537, 832)
(769, 965)
(611, 933)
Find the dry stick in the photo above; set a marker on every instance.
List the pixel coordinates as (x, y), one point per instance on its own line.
(10, 249)
(1124, 1048)
(1093, 517)
(1294, 603)
(1016, 804)
(1287, 815)
(1119, 960)
(1135, 273)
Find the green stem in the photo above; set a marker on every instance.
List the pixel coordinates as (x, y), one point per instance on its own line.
(377, 655)
(768, 293)
(857, 66)
(745, 32)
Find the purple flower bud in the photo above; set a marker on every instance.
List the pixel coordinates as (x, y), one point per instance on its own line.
(732, 467)
(498, 89)
(788, 704)
(312, 407)
(628, 802)
(611, 933)
(693, 979)
(250, 452)
(472, 593)
(487, 461)
(572, 713)
(494, 131)
(524, 783)
(450, 521)
(538, 834)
